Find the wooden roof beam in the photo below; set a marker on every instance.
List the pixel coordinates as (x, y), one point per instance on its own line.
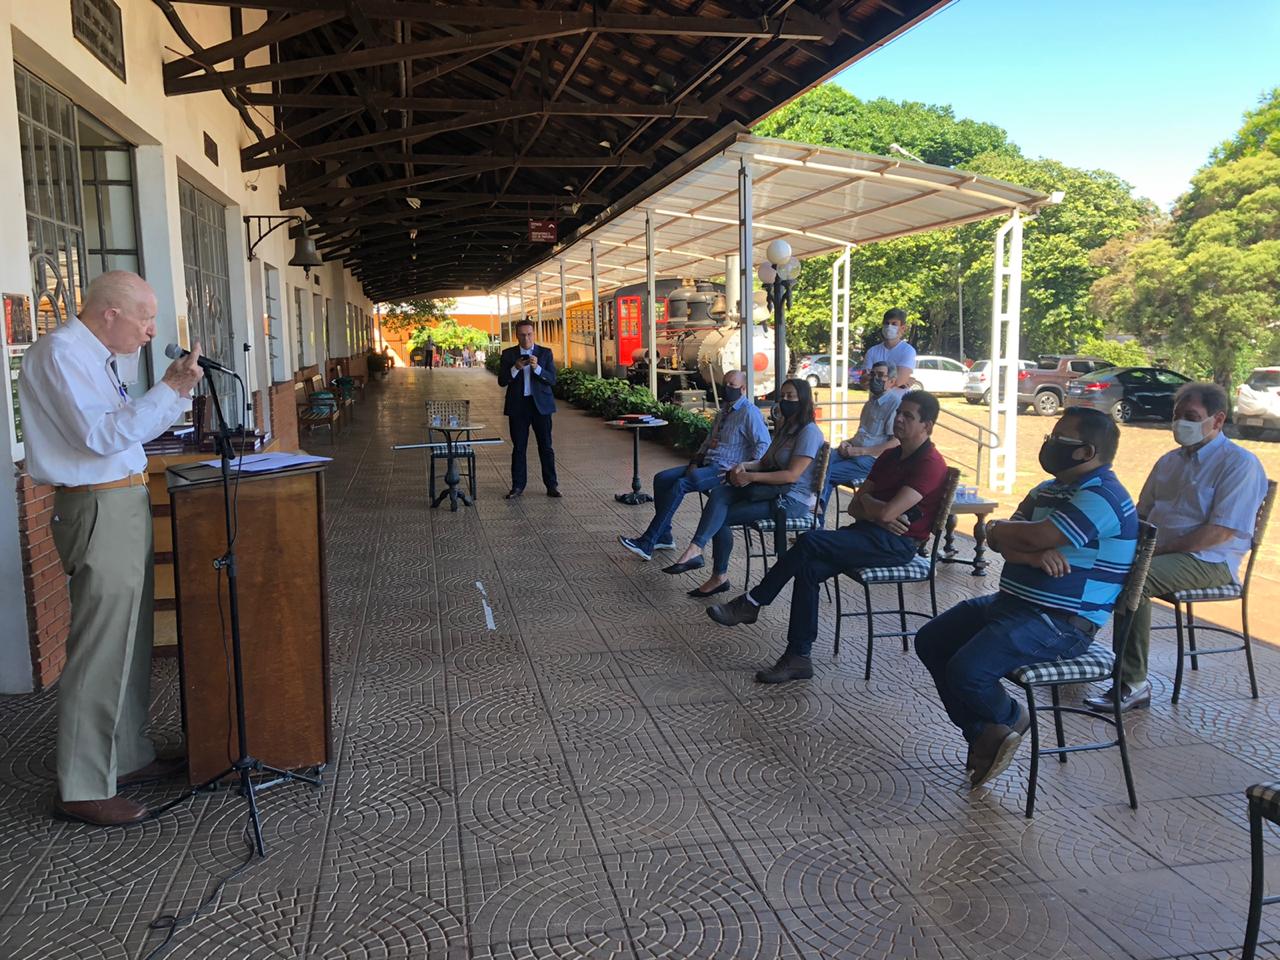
(275, 30)
(689, 109)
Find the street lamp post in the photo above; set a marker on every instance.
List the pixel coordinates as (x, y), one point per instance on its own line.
(778, 273)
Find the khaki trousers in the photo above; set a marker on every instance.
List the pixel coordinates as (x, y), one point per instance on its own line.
(104, 540)
(1169, 572)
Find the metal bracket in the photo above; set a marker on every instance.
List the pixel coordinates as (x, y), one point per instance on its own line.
(251, 220)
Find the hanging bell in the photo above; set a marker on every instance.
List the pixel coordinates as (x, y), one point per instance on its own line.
(305, 254)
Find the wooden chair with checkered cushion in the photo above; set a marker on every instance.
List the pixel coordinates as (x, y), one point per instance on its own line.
(1187, 649)
(1264, 804)
(464, 453)
(782, 527)
(1098, 663)
(921, 568)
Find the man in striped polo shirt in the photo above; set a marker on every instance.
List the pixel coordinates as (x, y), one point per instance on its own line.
(1067, 551)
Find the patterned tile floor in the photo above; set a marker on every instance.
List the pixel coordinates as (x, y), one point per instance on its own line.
(595, 774)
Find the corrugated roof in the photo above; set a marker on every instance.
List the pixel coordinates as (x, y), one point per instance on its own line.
(819, 199)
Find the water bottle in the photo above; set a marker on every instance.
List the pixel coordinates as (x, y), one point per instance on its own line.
(453, 419)
(435, 420)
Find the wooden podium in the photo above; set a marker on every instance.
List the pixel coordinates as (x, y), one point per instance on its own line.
(284, 629)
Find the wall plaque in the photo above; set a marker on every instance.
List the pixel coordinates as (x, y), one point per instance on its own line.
(97, 25)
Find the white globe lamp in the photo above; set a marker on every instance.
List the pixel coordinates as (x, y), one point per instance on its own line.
(766, 273)
(779, 251)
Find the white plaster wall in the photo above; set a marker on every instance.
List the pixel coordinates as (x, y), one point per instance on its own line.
(168, 134)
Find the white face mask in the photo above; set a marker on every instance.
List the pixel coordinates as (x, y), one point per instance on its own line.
(891, 331)
(1188, 432)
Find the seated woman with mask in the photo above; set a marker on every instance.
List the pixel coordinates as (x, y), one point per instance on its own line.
(756, 489)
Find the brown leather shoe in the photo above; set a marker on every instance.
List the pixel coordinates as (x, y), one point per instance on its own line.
(157, 769)
(113, 812)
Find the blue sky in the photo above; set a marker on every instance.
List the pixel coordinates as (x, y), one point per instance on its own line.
(1144, 88)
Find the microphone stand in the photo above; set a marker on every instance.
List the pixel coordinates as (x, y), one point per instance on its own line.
(245, 765)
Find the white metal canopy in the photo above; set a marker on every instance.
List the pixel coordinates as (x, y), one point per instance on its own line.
(820, 199)
(719, 216)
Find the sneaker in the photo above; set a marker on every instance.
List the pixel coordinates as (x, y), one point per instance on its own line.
(636, 547)
(789, 667)
(1131, 698)
(736, 611)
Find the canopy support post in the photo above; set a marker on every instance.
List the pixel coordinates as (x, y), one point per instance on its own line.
(537, 293)
(595, 306)
(651, 303)
(841, 284)
(1006, 322)
(564, 318)
(745, 278)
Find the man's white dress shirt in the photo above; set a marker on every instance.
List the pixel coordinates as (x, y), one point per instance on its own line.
(79, 424)
(1221, 483)
(530, 371)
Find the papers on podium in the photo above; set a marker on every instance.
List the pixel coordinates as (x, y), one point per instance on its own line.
(266, 462)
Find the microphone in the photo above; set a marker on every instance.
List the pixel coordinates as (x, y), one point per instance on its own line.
(175, 352)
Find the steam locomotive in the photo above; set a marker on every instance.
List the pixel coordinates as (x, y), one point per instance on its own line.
(697, 340)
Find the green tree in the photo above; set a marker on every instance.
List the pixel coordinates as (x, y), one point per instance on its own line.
(1205, 287)
(448, 334)
(1260, 132)
(413, 314)
(1129, 353)
(925, 273)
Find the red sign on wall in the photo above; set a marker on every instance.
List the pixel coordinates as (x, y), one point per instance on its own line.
(542, 231)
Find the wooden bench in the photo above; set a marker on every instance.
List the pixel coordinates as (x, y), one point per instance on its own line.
(315, 412)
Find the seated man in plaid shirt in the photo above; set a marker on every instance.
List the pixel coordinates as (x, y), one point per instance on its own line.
(1067, 551)
(893, 512)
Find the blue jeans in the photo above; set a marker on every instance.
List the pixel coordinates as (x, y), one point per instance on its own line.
(728, 507)
(818, 556)
(669, 488)
(849, 471)
(975, 643)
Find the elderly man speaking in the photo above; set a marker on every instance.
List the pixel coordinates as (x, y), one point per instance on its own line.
(84, 435)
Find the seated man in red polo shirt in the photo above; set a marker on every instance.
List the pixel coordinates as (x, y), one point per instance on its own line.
(893, 514)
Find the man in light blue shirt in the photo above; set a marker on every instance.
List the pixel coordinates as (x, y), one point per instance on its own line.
(852, 460)
(738, 435)
(1203, 498)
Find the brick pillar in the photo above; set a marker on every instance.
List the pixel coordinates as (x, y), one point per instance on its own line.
(48, 601)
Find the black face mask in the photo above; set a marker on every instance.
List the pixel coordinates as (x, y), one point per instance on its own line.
(1057, 455)
(789, 408)
(730, 395)
(876, 386)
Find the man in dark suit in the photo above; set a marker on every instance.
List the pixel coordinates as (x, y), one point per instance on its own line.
(527, 372)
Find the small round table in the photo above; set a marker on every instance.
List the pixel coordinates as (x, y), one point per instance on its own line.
(635, 426)
(452, 431)
(981, 509)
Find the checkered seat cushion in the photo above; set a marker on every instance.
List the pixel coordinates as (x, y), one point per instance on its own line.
(1096, 663)
(459, 450)
(1268, 797)
(917, 568)
(1230, 591)
(794, 524)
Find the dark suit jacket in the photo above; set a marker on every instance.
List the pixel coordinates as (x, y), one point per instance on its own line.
(540, 383)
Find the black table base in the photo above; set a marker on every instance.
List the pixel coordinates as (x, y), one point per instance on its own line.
(635, 497)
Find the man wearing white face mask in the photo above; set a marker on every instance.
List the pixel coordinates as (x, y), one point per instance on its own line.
(894, 350)
(1203, 497)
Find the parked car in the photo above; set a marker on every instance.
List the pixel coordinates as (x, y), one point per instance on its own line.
(816, 368)
(977, 385)
(939, 375)
(1044, 387)
(1127, 393)
(1258, 402)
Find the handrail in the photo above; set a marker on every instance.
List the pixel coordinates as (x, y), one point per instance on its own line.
(985, 437)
